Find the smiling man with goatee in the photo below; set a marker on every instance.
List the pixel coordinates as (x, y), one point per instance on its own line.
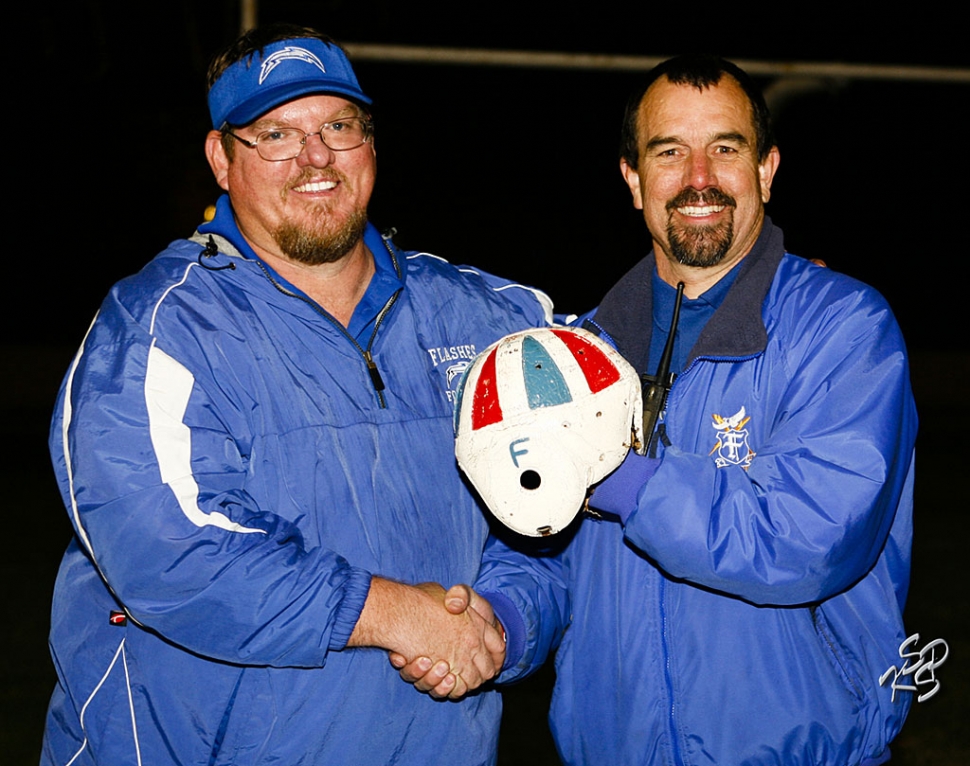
(254, 445)
(737, 596)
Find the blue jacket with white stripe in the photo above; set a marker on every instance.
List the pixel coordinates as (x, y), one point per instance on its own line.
(235, 473)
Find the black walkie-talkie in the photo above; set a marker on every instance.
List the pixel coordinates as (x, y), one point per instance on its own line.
(656, 387)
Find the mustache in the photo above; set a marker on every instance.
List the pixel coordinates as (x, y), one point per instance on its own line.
(695, 198)
(316, 175)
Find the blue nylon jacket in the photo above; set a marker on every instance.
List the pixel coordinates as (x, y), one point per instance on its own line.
(748, 608)
(235, 476)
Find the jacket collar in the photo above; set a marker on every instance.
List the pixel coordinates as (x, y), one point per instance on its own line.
(389, 274)
(736, 329)
(223, 225)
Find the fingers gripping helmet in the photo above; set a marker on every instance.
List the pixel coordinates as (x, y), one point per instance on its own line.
(542, 415)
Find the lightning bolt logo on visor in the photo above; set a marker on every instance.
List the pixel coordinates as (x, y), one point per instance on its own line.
(289, 53)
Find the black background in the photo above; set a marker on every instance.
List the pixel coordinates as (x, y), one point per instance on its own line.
(511, 169)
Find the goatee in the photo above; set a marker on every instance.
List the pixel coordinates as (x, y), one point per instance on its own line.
(326, 242)
(701, 246)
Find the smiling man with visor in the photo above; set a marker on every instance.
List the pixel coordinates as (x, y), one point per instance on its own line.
(254, 445)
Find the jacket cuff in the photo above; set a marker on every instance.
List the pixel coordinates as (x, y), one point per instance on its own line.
(513, 624)
(619, 492)
(355, 590)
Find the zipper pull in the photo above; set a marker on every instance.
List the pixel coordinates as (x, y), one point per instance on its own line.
(375, 374)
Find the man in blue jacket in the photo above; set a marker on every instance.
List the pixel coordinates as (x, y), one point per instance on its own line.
(740, 599)
(254, 442)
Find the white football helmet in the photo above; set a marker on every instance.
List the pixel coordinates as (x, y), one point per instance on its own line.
(541, 416)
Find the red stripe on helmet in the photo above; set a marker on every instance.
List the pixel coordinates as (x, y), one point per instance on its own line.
(600, 372)
(485, 404)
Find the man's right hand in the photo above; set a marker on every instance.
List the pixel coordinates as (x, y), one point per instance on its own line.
(436, 678)
(431, 631)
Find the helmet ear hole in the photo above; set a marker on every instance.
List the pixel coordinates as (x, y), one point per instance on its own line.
(530, 480)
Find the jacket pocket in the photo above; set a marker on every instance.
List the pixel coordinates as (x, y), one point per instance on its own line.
(833, 650)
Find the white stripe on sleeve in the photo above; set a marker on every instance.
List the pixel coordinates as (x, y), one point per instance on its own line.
(168, 385)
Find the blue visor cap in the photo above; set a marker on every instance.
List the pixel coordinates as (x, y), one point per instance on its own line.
(286, 70)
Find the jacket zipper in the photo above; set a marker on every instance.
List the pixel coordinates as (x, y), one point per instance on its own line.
(672, 711)
(375, 374)
(668, 680)
(671, 402)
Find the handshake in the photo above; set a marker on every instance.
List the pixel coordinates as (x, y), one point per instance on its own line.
(446, 643)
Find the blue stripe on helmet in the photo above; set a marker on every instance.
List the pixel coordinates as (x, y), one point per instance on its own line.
(545, 385)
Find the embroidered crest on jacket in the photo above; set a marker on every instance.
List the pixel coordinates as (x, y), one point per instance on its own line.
(456, 360)
(732, 440)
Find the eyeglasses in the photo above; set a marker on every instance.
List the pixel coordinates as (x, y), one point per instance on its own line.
(286, 143)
